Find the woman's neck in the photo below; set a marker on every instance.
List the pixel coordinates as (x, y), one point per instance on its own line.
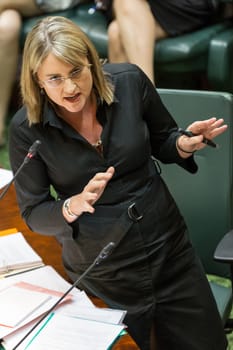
(84, 122)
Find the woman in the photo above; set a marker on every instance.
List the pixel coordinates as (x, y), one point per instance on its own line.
(99, 127)
(135, 26)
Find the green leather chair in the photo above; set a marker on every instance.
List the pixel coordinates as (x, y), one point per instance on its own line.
(175, 58)
(206, 198)
(220, 59)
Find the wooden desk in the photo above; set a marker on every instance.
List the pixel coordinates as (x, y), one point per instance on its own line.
(47, 247)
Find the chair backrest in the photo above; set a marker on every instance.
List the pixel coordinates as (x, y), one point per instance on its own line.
(205, 199)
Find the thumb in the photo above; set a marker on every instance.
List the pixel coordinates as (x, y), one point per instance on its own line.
(111, 170)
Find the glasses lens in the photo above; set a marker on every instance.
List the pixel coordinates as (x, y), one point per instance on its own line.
(74, 75)
(55, 82)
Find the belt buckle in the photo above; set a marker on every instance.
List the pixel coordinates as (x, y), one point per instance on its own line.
(133, 213)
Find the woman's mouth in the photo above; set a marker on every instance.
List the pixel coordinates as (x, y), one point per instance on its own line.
(73, 98)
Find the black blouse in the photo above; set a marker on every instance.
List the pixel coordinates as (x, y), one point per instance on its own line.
(136, 126)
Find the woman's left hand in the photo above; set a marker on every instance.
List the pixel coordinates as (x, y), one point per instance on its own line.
(208, 129)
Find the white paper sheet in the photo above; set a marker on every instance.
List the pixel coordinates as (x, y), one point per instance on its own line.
(16, 253)
(16, 304)
(64, 332)
(5, 177)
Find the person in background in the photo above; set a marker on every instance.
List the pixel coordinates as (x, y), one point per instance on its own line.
(12, 13)
(135, 26)
(101, 126)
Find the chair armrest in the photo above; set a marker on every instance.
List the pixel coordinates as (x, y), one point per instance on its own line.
(224, 250)
(220, 56)
(190, 44)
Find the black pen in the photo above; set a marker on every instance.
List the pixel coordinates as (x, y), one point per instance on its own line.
(189, 133)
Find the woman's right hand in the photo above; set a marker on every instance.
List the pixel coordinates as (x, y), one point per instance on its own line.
(84, 201)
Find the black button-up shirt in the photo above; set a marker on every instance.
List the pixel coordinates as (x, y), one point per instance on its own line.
(135, 126)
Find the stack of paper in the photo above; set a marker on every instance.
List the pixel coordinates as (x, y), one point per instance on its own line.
(74, 324)
(16, 255)
(22, 303)
(33, 311)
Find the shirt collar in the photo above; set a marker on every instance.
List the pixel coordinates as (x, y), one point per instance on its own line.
(49, 115)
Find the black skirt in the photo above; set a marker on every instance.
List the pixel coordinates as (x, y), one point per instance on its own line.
(178, 17)
(153, 273)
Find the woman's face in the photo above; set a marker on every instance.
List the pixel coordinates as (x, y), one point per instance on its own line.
(68, 86)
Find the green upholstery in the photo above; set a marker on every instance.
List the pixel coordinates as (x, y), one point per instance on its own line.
(220, 72)
(223, 296)
(94, 25)
(205, 199)
(186, 54)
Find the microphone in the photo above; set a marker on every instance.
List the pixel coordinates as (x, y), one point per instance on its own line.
(105, 252)
(31, 153)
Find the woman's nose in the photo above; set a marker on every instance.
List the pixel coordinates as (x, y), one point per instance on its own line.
(69, 85)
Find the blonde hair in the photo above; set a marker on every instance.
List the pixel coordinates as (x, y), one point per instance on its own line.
(65, 40)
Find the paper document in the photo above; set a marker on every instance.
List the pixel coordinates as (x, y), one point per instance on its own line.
(23, 302)
(16, 254)
(5, 177)
(105, 315)
(47, 279)
(80, 306)
(63, 332)
(17, 303)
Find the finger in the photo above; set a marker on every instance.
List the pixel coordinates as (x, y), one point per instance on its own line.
(105, 175)
(206, 127)
(96, 185)
(218, 123)
(111, 170)
(102, 176)
(88, 208)
(217, 131)
(90, 197)
(214, 129)
(190, 143)
(199, 127)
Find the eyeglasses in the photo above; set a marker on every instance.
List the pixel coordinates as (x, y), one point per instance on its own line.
(57, 81)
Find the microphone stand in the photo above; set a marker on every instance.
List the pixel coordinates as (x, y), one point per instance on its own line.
(32, 151)
(12, 180)
(102, 255)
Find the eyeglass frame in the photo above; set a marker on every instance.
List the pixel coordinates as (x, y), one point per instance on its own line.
(59, 80)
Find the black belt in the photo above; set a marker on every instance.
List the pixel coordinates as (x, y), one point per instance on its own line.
(133, 214)
(137, 208)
